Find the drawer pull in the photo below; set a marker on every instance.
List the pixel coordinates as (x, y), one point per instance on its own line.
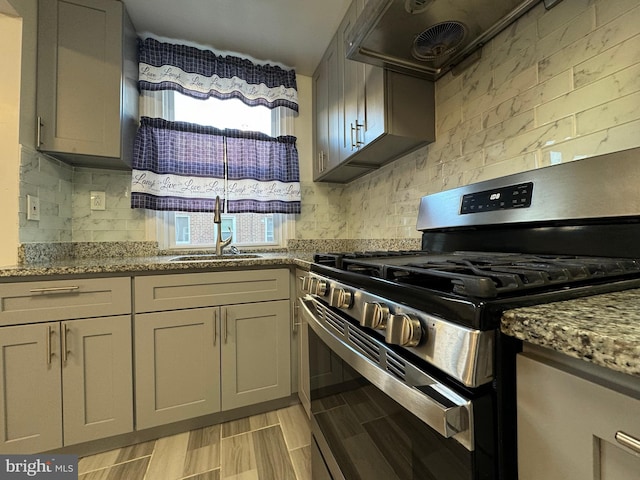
(44, 291)
(628, 441)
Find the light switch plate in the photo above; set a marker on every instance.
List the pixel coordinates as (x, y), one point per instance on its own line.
(98, 201)
(33, 207)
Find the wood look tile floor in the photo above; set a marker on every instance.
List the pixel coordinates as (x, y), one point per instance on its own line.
(270, 446)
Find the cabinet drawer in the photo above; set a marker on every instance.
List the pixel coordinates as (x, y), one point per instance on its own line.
(192, 290)
(30, 302)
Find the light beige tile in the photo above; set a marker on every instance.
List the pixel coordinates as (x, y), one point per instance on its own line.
(516, 125)
(237, 455)
(167, 461)
(609, 140)
(295, 426)
(611, 61)
(203, 450)
(211, 475)
(596, 42)
(622, 110)
(591, 95)
(562, 14)
(133, 470)
(528, 99)
(606, 10)
(578, 27)
(531, 141)
(272, 459)
(301, 459)
(98, 461)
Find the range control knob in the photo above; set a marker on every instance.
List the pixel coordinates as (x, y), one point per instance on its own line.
(306, 283)
(374, 315)
(321, 288)
(340, 298)
(403, 329)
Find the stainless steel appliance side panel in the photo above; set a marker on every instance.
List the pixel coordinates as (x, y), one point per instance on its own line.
(463, 353)
(595, 187)
(452, 421)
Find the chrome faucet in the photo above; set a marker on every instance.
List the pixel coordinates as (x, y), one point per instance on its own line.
(220, 244)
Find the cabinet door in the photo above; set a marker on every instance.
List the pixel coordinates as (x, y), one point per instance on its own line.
(177, 365)
(321, 117)
(350, 86)
(569, 428)
(256, 353)
(97, 378)
(31, 402)
(79, 73)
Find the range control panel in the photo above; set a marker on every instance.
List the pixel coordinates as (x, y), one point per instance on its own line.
(504, 198)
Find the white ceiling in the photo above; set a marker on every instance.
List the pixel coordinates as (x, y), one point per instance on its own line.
(290, 32)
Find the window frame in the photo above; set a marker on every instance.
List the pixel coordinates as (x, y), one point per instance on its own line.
(163, 222)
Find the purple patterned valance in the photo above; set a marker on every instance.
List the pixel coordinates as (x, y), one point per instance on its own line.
(203, 74)
(179, 166)
(262, 173)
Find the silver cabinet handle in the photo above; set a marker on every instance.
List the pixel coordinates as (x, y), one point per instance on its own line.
(628, 441)
(353, 144)
(295, 323)
(48, 344)
(215, 327)
(65, 352)
(225, 325)
(53, 290)
(39, 141)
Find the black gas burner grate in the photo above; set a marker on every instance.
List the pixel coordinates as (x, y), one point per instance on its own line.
(490, 276)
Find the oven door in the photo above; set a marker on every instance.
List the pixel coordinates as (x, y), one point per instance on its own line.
(374, 416)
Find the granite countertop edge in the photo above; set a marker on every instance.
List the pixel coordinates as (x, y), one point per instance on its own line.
(601, 329)
(149, 264)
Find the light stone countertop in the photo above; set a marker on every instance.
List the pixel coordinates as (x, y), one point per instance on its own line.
(602, 329)
(149, 264)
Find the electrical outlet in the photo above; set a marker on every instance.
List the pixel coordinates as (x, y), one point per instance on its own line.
(33, 208)
(98, 201)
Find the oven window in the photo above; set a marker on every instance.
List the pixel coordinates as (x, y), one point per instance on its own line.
(366, 435)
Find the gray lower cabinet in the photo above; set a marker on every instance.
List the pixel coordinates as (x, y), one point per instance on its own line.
(574, 425)
(225, 344)
(177, 365)
(65, 383)
(256, 353)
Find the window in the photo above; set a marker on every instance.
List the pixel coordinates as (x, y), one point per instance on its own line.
(197, 230)
(183, 229)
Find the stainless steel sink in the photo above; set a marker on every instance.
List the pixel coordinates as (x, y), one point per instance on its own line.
(210, 257)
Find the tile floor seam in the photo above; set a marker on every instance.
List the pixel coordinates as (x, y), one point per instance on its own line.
(254, 430)
(112, 465)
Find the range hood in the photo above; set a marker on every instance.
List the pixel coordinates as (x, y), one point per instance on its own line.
(428, 38)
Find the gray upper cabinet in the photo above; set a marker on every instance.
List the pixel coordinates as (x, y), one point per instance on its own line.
(87, 99)
(379, 115)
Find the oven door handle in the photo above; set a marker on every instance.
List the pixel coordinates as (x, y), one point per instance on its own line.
(435, 404)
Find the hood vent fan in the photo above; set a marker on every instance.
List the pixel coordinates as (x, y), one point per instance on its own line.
(428, 38)
(439, 40)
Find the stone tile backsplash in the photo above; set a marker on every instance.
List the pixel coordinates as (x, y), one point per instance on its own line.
(556, 86)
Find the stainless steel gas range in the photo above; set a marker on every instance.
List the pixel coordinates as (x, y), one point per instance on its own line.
(410, 376)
